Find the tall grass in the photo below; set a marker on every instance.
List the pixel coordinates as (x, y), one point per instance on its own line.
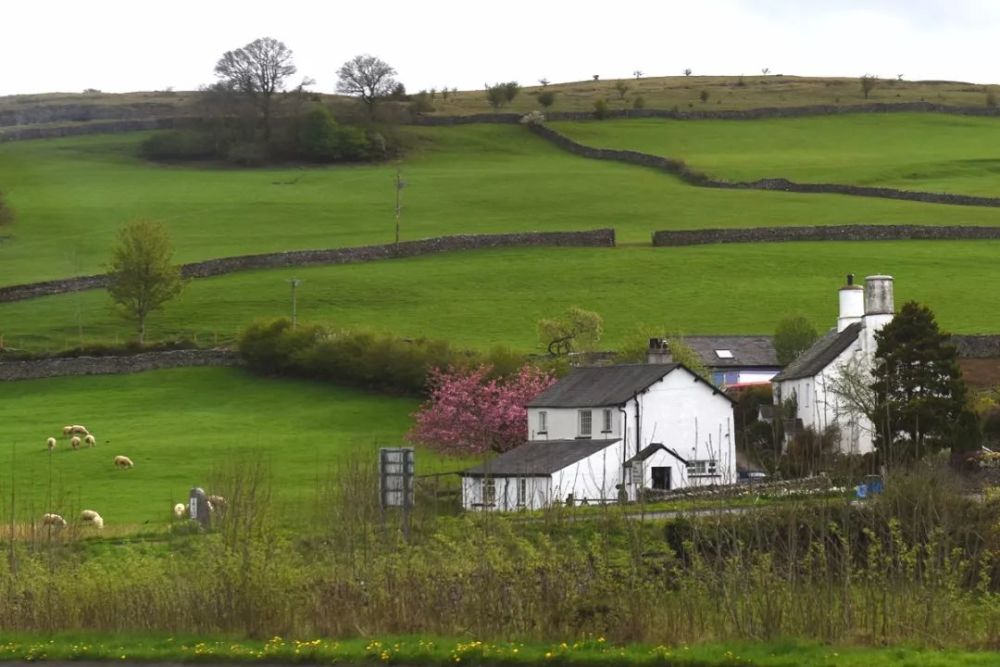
(918, 565)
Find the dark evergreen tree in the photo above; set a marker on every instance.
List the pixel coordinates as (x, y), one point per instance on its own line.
(919, 391)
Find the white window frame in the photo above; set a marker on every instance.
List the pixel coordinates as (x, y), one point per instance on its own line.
(585, 417)
(703, 468)
(543, 421)
(607, 420)
(522, 491)
(489, 491)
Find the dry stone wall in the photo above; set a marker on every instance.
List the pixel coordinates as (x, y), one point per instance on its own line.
(824, 233)
(598, 238)
(114, 365)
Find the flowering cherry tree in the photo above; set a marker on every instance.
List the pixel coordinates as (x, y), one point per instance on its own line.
(469, 413)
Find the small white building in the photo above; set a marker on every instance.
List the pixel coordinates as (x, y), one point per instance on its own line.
(604, 432)
(809, 381)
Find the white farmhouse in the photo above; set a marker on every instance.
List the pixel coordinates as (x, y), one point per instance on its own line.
(809, 381)
(602, 433)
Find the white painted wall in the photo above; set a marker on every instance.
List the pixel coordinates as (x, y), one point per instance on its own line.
(758, 377)
(538, 493)
(564, 423)
(659, 459)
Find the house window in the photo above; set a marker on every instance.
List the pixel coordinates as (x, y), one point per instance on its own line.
(586, 418)
(607, 421)
(707, 467)
(522, 492)
(543, 421)
(489, 491)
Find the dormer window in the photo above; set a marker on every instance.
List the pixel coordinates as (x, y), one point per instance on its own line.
(724, 354)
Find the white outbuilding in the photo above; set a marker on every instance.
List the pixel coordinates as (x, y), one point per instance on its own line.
(601, 434)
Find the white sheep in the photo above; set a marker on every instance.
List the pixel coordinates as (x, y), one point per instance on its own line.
(123, 462)
(51, 442)
(76, 429)
(93, 518)
(179, 510)
(89, 440)
(74, 442)
(67, 430)
(216, 503)
(53, 520)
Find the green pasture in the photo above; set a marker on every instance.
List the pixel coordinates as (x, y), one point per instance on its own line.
(71, 195)
(181, 428)
(481, 298)
(931, 152)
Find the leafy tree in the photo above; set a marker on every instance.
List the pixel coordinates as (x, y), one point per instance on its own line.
(918, 386)
(547, 98)
(321, 139)
(258, 70)
(576, 329)
(868, 82)
(469, 413)
(141, 278)
(6, 212)
(510, 90)
(793, 336)
(496, 95)
(600, 109)
(621, 88)
(639, 102)
(368, 77)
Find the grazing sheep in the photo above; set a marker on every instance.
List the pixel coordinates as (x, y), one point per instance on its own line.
(123, 462)
(51, 442)
(74, 442)
(216, 502)
(53, 520)
(179, 510)
(67, 430)
(93, 518)
(89, 439)
(76, 429)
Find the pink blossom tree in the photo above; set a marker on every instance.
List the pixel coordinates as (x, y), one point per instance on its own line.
(469, 413)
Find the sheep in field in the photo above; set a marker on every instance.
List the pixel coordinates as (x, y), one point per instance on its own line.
(217, 502)
(89, 440)
(51, 442)
(93, 518)
(53, 520)
(67, 430)
(76, 429)
(74, 442)
(123, 462)
(179, 510)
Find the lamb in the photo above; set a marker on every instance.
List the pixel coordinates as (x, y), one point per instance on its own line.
(179, 510)
(53, 520)
(89, 439)
(51, 442)
(93, 518)
(123, 462)
(216, 502)
(74, 442)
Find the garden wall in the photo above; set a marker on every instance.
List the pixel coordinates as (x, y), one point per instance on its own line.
(693, 177)
(114, 365)
(598, 238)
(824, 233)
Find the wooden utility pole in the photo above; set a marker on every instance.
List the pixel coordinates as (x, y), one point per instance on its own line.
(295, 283)
(400, 184)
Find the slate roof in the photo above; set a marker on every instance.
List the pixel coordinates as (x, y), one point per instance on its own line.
(594, 386)
(538, 457)
(820, 355)
(652, 449)
(757, 351)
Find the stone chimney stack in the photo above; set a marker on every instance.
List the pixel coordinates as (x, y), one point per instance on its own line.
(879, 309)
(659, 352)
(852, 304)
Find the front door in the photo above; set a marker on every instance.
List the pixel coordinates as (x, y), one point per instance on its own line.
(661, 478)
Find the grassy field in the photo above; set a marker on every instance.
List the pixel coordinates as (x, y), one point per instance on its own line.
(953, 153)
(485, 297)
(180, 427)
(71, 195)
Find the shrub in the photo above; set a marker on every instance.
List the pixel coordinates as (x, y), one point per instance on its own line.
(703, 95)
(179, 145)
(601, 109)
(639, 102)
(546, 98)
(248, 154)
(991, 99)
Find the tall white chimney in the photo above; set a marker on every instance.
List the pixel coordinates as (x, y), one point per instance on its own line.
(879, 308)
(852, 304)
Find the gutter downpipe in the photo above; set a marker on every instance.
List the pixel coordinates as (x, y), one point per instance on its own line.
(621, 409)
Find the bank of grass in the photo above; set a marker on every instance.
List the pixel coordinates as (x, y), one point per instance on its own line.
(181, 427)
(482, 298)
(71, 195)
(432, 651)
(930, 152)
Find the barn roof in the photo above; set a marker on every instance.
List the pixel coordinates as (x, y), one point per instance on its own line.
(820, 355)
(538, 457)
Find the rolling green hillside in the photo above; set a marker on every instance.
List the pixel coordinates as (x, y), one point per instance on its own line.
(71, 195)
(181, 428)
(931, 152)
(480, 298)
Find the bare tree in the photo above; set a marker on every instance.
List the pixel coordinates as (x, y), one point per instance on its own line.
(868, 82)
(637, 74)
(854, 397)
(368, 77)
(258, 70)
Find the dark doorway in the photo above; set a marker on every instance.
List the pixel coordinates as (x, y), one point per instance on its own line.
(661, 478)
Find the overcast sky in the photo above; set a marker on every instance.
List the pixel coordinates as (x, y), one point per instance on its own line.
(120, 46)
